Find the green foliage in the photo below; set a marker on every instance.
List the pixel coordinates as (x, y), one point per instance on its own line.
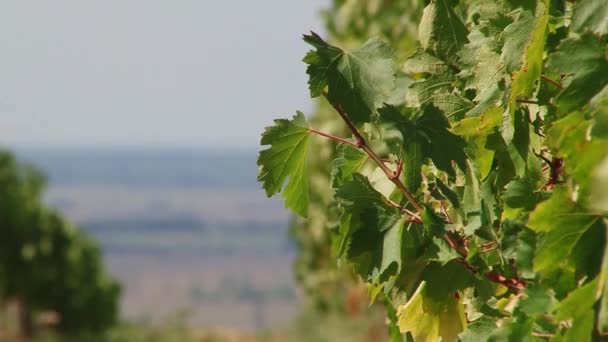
(589, 15)
(47, 263)
(475, 207)
(359, 80)
(286, 158)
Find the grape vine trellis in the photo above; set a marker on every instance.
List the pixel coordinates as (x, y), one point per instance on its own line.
(473, 191)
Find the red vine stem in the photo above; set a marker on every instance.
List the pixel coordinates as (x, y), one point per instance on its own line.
(415, 217)
(362, 144)
(555, 83)
(512, 283)
(333, 137)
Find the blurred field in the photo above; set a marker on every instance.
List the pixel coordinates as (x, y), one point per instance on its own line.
(213, 250)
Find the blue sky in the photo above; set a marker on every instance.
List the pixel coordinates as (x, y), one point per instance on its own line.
(147, 72)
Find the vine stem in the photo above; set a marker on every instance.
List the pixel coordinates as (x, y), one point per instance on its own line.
(415, 217)
(555, 83)
(362, 144)
(333, 137)
(512, 283)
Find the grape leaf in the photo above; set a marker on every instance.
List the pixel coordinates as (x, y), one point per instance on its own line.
(577, 302)
(350, 161)
(359, 81)
(424, 91)
(581, 329)
(441, 30)
(523, 152)
(523, 56)
(479, 330)
(426, 135)
(570, 138)
(563, 223)
(443, 253)
(585, 60)
(536, 300)
(520, 194)
(422, 63)
(476, 130)
(452, 104)
(286, 158)
(517, 37)
(448, 193)
(590, 15)
(370, 230)
(525, 78)
(482, 65)
(430, 321)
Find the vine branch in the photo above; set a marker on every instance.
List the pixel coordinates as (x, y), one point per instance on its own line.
(333, 137)
(512, 283)
(555, 83)
(362, 144)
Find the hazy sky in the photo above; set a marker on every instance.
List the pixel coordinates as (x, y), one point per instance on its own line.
(151, 72)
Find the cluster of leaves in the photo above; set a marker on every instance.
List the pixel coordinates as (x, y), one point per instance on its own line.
(47, 263)
(330, 288)
(472, 194)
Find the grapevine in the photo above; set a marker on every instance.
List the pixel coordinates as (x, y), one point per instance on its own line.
(471, 176)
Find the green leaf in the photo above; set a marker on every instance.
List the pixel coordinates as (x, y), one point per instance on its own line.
(286, 158)
(441, 30)
(524, 80)
(471, 200)
(516, 37)
(443, 253)
(578, 302)
(519, 243)
(584, 59)
(425, 91)
(569, 136)
(590, 15)
(422, 63)
(347, 164)
(479, 330)
(581, 330)
(392, 248)
(448, 193)
(520, 194)
(437, 288)
(370, 229)
(482, 65)
(523, 56)
(452, 104)
(563, 223)
(359, 81)
(426, 136)
(475, 130)
(376, 254)
(536, 301)
(519, 131)
(359, 192)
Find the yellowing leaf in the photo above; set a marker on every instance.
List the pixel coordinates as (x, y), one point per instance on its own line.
(524, 80)
(475, 130)
(428, 321)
